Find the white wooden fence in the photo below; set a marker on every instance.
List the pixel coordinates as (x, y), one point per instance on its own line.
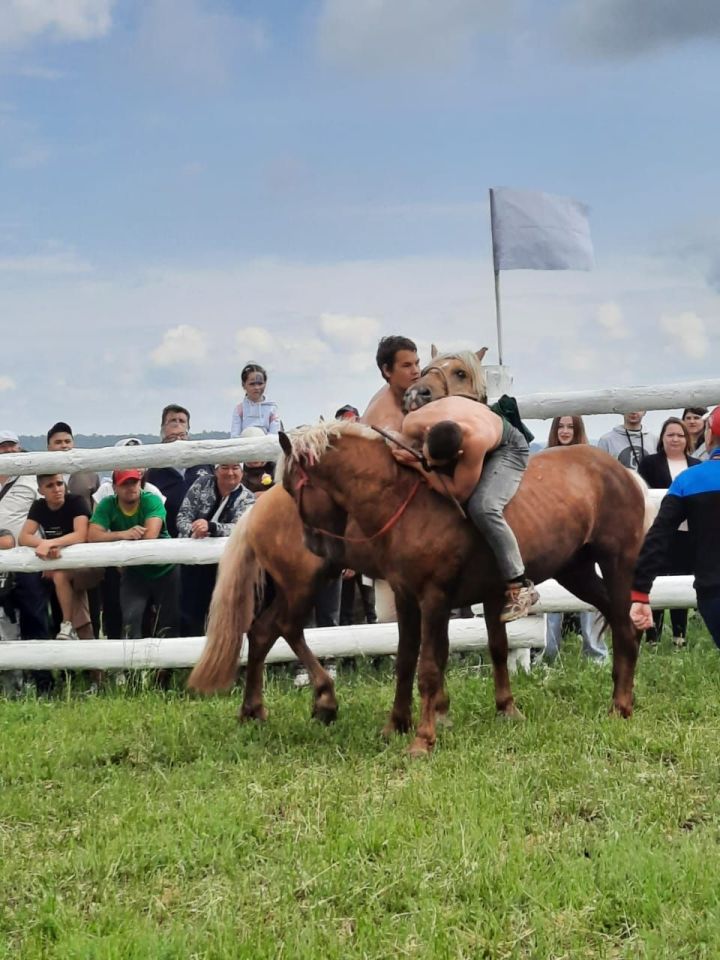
(333, 641)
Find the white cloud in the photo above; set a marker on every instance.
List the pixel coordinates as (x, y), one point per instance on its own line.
(610, 318)
(195, 40)
(51, 264)
(350, 331)
(22, 21)
(180, 345)
(686, 334)
(390, 34)
(7, 383)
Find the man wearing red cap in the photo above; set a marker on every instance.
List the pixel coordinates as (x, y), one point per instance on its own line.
(135, 514)
(694, 495)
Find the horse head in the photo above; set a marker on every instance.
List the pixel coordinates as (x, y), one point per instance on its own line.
(324, 520)
(458, 374)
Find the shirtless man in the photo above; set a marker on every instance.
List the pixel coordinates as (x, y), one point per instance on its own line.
(399, 365)
(486, 457)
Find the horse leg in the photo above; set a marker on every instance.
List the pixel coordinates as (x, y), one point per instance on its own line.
(498, 646)
(408, 613)
(435, 613)
(325, 706)
(617, 571)
(261, 637)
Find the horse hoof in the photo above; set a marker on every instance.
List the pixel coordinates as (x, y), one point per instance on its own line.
(510, 713)
(246, 714)
(419, 748)
(324, 714)
(621, 710)
(396, 725)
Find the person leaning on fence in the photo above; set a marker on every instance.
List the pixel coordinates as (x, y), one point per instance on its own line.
(567, 432)
(694, 496)
(658, 470)
(211, 508)
(59, 519)
(133, 514)
(694, 420)
(255, 410)
(17, 494)
(174, 482)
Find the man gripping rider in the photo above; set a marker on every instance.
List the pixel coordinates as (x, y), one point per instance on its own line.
(479, 458)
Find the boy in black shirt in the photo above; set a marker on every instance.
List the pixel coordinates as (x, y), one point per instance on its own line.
(57, 521)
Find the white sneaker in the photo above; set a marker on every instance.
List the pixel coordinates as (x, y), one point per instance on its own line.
(66, 631)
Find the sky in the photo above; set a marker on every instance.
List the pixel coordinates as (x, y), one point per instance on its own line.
(188, 185)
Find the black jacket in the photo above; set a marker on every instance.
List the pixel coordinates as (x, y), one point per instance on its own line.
(174, 485)
(655, 471)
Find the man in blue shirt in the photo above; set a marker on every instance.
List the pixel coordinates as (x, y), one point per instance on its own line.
(694, 495)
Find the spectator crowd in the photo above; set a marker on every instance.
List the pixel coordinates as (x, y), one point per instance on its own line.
(52, 511)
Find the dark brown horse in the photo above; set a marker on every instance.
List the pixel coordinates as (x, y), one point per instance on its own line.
(270, 540)
(575, 508)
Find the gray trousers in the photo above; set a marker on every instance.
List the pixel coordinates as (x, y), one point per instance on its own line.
(501, 475)
(136, 592)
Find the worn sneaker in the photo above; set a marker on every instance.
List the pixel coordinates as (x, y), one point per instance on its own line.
(519, 597)
(66, 631)
(679, 641)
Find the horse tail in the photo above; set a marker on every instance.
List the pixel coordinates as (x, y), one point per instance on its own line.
(651, 508)
(231, 612)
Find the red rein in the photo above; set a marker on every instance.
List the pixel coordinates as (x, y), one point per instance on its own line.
(304, 481)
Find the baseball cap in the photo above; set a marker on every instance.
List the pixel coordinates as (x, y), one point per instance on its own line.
(59, 427)
(128, 442)
(7, 436)
(347, 410)
(121, 476)
(253, 432)
(713, 420)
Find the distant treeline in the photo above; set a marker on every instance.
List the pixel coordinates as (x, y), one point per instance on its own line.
(94, 440)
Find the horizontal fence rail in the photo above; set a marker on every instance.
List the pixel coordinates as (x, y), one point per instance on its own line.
(134, 553)
(326, 642)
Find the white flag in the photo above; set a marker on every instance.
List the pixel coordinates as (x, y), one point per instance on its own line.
(539, 231)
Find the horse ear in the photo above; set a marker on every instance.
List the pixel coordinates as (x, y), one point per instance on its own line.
(285, 443)
(481, 353)
(433, 351)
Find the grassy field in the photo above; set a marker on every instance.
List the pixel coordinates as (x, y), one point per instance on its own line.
(146, 825)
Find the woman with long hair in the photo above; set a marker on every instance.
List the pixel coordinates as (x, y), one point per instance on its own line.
(694, 420)
(566, 432)
(659, 470)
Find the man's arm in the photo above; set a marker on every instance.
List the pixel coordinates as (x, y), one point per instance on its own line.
(98, 534)
(29, 536)
(653, 557)
(153, 528)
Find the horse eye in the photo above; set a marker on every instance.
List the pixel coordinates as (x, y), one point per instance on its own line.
(461, 374)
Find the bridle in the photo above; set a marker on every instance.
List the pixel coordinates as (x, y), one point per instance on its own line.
(434, 368)
(304, 481)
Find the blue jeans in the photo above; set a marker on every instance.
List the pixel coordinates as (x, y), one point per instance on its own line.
(502, 472)
(709, 607)
(593, 644)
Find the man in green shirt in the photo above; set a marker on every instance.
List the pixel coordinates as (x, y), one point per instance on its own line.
(134, 514)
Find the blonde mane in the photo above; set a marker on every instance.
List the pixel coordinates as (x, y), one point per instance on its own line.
(474, 367)
(311, 442)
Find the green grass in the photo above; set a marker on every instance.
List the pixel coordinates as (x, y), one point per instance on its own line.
(148, 825)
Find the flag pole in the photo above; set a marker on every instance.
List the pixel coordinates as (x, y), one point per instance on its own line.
(498, 311)
(498, 317)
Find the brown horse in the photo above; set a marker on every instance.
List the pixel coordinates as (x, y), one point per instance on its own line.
(270, 540)
(576, 507)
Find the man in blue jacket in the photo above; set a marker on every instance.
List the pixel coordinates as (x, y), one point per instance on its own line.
(694, 495)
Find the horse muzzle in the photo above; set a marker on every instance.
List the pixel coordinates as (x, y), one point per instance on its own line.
(416, 397)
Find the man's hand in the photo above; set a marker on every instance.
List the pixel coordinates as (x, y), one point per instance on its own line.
(134, 533)
(348, 574)
(199, 529)
(46, 551)
(641, 616)
(403, 456)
